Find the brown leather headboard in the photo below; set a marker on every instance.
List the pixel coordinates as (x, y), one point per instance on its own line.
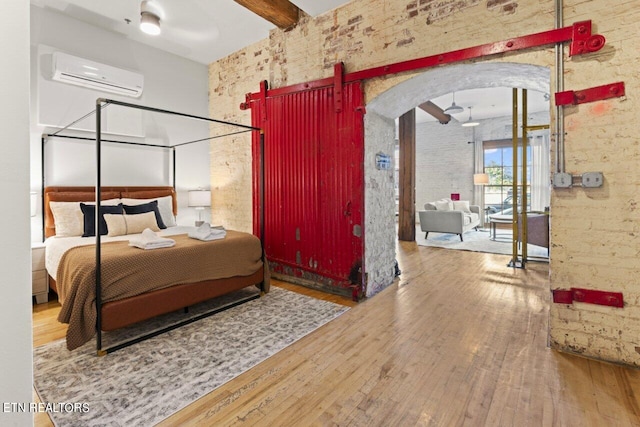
(88, 194)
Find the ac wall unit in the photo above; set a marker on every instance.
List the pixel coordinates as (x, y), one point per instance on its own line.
(82, 72)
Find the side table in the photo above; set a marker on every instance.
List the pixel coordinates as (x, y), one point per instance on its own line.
(39, 276)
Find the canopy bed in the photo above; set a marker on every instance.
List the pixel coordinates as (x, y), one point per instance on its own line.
(104, 282)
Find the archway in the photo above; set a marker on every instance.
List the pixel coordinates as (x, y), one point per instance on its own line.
(383, 109)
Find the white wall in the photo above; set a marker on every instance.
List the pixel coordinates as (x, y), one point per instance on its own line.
(444, 162)
(379, 252)
(15, 272)
(170, 82)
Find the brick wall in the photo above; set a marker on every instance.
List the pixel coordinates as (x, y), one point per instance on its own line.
(379, 206)
(594, 232)
(231, 156)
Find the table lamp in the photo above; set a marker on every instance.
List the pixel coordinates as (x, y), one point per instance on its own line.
(199, 199)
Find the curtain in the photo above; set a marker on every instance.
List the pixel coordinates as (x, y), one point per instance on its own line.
(540, 170)
(478, 193)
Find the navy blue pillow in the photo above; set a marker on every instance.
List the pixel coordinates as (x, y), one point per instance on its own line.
(144, 208)
(89, 212)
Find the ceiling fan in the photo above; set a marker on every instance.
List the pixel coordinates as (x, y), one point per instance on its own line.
(437, 112)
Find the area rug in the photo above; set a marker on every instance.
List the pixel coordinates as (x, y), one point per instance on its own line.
(149, 381)
(477, 241)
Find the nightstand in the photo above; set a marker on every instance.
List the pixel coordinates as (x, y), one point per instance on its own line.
(39, 276)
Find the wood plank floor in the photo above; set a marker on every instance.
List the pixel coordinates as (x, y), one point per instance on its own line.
(460, 339)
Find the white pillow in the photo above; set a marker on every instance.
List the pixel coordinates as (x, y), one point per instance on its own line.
(165, 207)
(136, 223)
(69, 218)
(442, 205)
(461, 205)
(119, 225)
(116, 225)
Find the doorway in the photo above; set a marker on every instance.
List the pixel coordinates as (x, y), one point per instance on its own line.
(380, 136)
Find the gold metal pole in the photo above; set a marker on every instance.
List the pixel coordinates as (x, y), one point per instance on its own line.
(536, 127)
(514, 186)
(525, 143)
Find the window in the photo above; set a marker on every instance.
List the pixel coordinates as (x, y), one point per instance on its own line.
(498, 164)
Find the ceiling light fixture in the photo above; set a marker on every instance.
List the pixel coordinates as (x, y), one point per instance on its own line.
(470, 122)
(453, 108)
(149, 20)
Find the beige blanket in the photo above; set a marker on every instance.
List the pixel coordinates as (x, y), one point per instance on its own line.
(127, 271)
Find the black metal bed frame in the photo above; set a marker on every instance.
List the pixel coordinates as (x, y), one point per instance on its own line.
(101, 103)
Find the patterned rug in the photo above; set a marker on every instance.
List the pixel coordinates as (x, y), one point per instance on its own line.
(477, 241)
(149, 381)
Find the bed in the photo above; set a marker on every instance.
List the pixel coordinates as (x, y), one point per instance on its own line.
(137, 284)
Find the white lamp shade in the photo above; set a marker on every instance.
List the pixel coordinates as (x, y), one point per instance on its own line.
(480, 179)
(199, 198)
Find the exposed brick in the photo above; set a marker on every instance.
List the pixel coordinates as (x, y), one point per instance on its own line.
(404, 42)
(494, 3)
(346, 31)
(510, 8)
(507, 7)
(437, 10)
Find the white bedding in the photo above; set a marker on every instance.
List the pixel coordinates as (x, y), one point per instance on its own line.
(57, 246)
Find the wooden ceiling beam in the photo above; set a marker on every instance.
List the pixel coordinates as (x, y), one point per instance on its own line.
(435, 111)
(282, 13)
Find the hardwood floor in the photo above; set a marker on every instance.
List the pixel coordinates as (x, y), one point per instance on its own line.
(460, 339)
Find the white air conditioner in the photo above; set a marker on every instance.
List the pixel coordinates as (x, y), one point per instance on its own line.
(105, 78)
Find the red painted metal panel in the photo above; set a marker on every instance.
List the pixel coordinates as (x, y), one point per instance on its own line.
(562, 296)
(314, 182)
(597, 93)
(588, 296)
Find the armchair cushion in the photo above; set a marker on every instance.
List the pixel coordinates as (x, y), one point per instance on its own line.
(461, 205)
(443, 205)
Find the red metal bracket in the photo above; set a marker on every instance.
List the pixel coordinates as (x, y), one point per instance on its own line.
(588, 296)
(264, 86)
(261, 96)
(562, 296)
(338, 85)
(582, 41)
(571, 97)
(247, 102)
(579, 34)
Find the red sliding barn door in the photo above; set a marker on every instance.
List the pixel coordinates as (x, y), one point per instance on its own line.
(313, 182)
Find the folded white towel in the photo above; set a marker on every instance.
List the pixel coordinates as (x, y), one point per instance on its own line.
(150, 240)
(207, 233)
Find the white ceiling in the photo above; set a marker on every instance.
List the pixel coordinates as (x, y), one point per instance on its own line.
(207, 30)
(201, 30)
(485, 103)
